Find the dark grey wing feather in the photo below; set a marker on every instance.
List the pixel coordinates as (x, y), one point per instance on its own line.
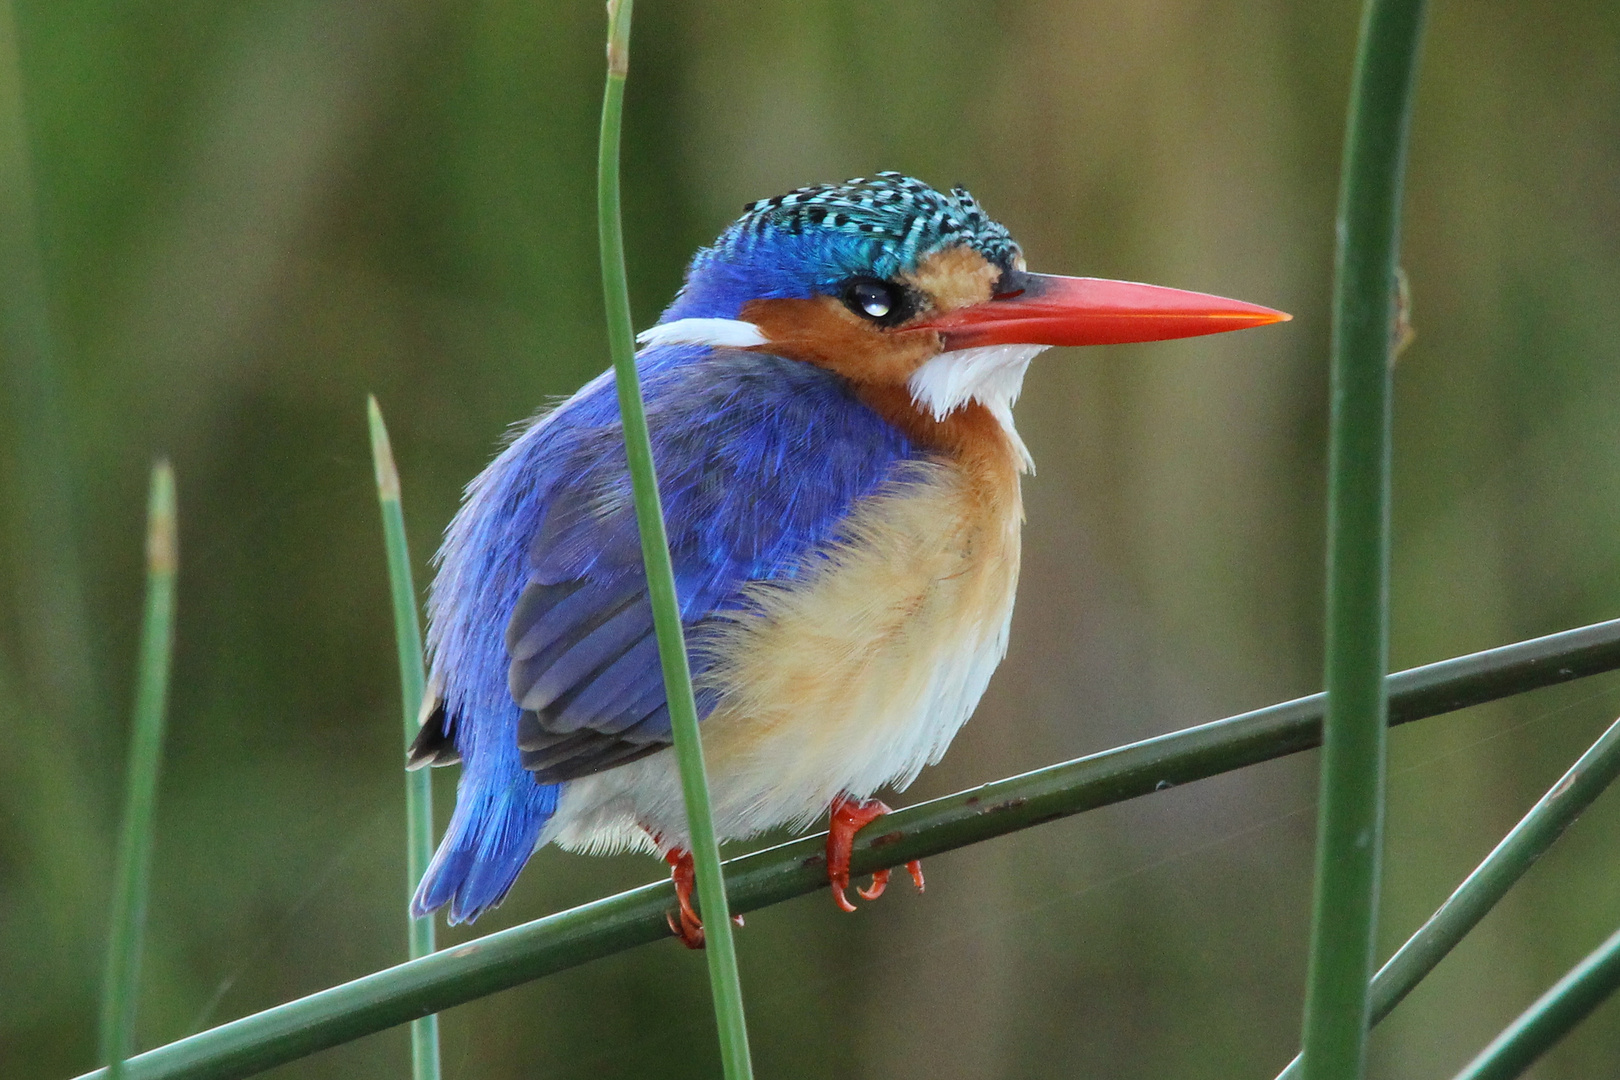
(433, 744)
(584, 669)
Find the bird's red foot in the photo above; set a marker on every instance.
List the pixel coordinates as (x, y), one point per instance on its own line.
(846, 818)
(686, 924)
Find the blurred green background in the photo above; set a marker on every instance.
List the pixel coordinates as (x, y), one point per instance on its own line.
(254, 212)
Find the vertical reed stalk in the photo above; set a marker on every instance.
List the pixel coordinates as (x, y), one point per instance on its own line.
(412, 680)
(57, 729)
(63, 676)
(723, 978)
(145, 758)
(1350, 822)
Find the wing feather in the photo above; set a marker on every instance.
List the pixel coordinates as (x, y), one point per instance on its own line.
(759, 460)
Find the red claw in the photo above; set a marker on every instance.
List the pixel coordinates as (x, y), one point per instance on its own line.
(847, 817)
(880, 881)
(685, 925)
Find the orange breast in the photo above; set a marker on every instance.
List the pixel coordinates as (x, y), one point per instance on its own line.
(860, 672)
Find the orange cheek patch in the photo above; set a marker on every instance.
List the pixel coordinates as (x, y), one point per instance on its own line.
(955, 277)
(822, 331)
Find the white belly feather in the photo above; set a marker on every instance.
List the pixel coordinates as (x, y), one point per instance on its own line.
(852, 677)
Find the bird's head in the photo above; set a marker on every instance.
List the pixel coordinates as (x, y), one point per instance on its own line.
(908, 291)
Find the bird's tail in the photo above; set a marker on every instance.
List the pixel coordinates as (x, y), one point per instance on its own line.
(490, 836)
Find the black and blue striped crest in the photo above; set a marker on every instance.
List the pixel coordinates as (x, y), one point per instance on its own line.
(907, 218)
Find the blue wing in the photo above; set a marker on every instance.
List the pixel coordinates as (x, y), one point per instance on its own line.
(541, 635)
(759, 459)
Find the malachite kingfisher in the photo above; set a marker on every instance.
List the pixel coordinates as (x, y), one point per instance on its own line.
(830, 397)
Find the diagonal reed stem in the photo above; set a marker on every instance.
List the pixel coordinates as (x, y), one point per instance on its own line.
(1554, 1015)
(412, 680)
(724, 981)
(1350, 820)
(1490, 881)
(570, 938)
(145, 760)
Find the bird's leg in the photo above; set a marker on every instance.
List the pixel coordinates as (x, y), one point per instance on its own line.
(846, 817)
(687, 926)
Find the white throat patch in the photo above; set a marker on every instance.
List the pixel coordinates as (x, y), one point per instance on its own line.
(992, 376)
(726, 333)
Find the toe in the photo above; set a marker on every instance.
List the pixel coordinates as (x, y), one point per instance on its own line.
(880, 881)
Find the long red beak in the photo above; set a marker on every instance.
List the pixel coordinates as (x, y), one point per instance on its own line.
(1050, 310)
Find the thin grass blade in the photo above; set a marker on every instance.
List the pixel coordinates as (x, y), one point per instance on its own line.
(1546, 821)
(412, 683)
(53, 623)
(145, 759)
(567, 939)
(1554, 1015)
(59, 685)
(711, 887)
(1350, 821)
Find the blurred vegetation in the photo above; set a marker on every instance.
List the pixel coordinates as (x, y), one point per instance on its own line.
(253, 213)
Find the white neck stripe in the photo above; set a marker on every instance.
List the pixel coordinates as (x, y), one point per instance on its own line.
(727, 333)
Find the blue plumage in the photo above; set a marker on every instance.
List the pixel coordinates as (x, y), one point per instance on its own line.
(806, 242)
(541, 594)
(541, 633)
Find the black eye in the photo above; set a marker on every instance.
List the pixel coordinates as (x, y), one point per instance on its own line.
(872, 299)
(883, 302)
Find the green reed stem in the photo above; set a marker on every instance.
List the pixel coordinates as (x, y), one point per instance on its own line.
(61, 686)
(412, 681)
(1490, 881)
(711, 887)
(1350, 821)
(1553, 1016)
(567, 939)
(51, 594)
(145, 759)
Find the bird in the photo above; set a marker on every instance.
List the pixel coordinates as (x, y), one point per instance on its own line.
(830, 403)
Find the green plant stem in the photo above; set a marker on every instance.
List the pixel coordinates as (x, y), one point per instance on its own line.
(1553, 1016)
(570, 938)
(412, 680)
(52, 593)
(145, 760)
(724, 981)
(1350, 818)
(59, 801)
(1490, 881)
